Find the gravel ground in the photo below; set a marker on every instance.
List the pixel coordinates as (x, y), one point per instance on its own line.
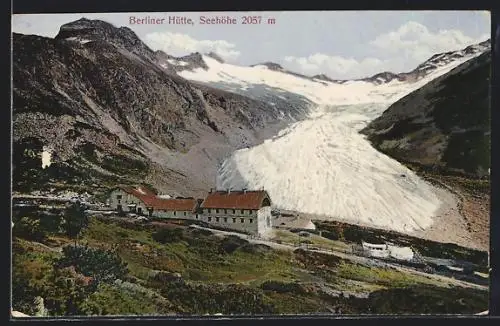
(450, 225)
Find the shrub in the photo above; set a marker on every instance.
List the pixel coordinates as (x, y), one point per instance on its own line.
(164, 277)
(75, 219)
(62, 290)
(66, 294)
(329, 235)
(101, 265)
(282, 287)
(30, 229)
(166, 235)
(256, 248)
(204, 298)
(231, 243)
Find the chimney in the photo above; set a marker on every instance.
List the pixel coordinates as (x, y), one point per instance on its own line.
(244, 190)
(229, 191)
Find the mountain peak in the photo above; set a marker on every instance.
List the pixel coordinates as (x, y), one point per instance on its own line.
(83, 24)
(382, 77)
(86, 30)
(215, 56)
(270, 65)
(322, 77)
(192, 61)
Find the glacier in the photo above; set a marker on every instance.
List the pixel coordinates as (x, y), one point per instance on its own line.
(322, 165)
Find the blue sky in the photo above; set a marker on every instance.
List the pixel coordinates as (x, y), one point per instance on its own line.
(341, 44)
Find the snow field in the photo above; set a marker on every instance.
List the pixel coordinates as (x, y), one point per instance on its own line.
(322, 165)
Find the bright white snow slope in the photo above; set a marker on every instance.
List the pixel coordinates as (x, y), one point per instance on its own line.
(322, 165)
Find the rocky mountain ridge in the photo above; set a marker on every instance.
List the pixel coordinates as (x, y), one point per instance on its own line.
(101, 100)
(445, 125)
(434, 62)
(431, 64)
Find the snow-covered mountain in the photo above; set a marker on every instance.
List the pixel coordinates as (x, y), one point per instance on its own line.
(323, 165)
(206, 112)
(431, 64)
(268, 80)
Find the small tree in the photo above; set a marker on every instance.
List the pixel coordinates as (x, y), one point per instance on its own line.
(75, 220)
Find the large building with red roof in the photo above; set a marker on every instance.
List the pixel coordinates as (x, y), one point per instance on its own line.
(245, 211)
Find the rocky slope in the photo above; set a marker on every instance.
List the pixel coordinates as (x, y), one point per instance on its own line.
(107, 107)
(444, 125)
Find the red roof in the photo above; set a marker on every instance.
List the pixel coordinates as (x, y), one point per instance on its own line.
(171, 204)
(149, 198)
(235, 199)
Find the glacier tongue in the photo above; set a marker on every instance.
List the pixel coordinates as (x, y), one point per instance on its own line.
(324, 166)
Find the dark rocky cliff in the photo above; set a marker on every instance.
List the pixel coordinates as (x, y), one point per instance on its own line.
(443, 126)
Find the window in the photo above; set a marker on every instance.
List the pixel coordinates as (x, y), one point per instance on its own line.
(242, 211)
(242, 220)
(216, 211)
(175, 213)
(225, 219)
(118, 196)
(209, 219)
(209, 211)
(216, 219)
(234, 220)
(119, 201)
(234, 211)
(184, 213)
(249, 212)
(251, 220)
(196, 216)
(225, 211)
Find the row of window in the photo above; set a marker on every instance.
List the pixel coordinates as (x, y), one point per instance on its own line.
(242, 211)
(225, 219)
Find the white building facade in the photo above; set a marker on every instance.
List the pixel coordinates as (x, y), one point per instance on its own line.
(388, 250)
(129, 200)
(245, 211)
(375, 250)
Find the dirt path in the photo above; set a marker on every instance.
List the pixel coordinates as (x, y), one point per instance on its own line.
(55, 249)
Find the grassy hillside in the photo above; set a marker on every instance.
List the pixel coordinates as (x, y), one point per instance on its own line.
(175, 269)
